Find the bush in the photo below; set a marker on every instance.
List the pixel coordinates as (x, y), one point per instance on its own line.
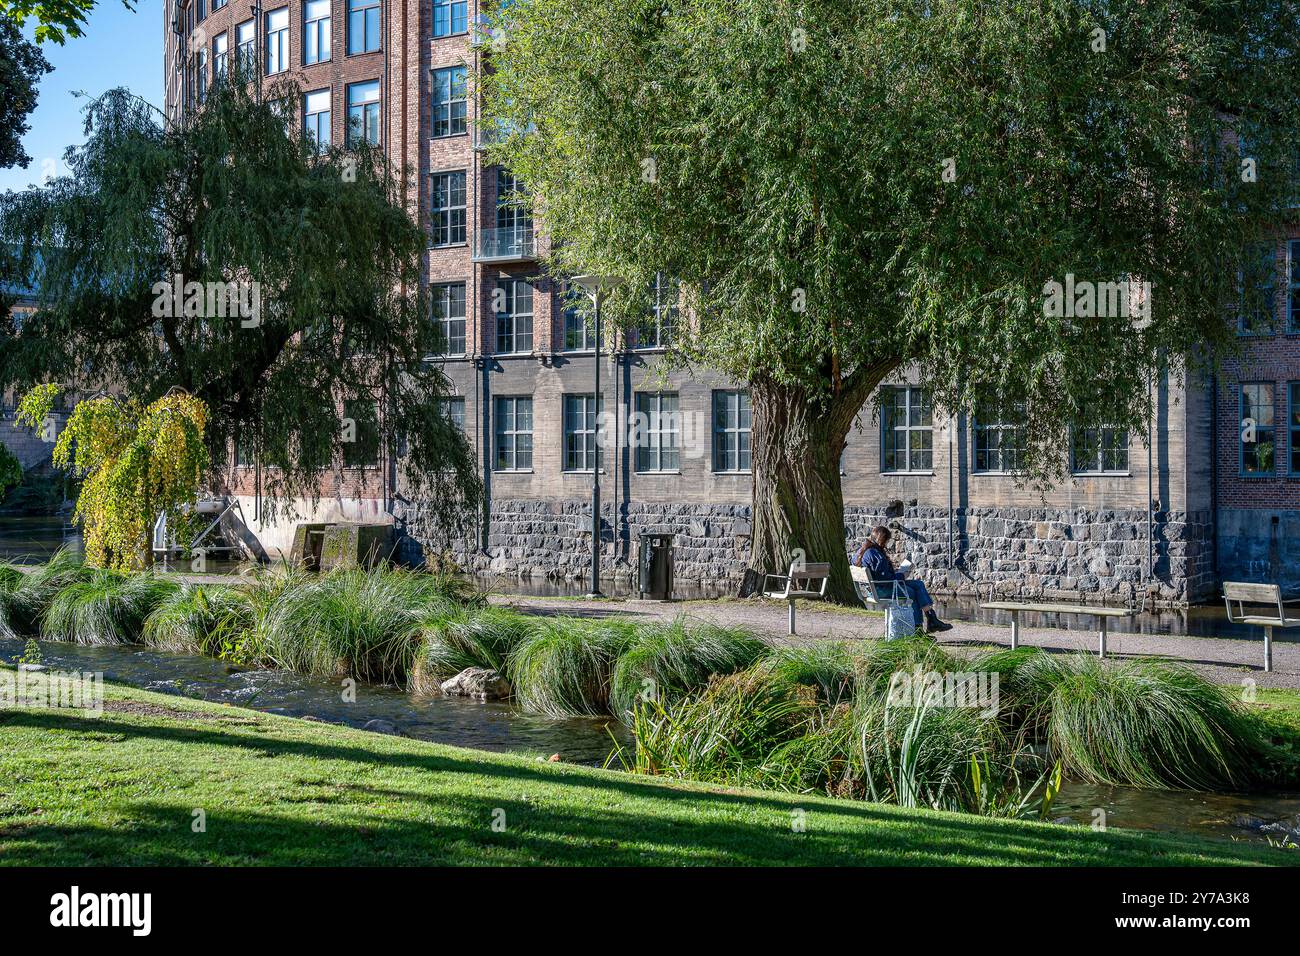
(106, 608)
(563, 668)
(362, 623)
(470, 637)
(830, 667)
(669, 660)
(201, 619)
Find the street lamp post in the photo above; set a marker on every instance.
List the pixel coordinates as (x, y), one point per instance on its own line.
(596, 287)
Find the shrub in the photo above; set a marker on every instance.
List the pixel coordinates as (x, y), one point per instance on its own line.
(25, 605)
(363, 623)
(563, 668)
(1144, 723)
(669, 660)
(106, 608)
(828, 666)
(201, 619)
(470, 637)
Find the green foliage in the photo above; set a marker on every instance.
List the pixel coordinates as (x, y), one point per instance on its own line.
(200, 619)
(235, 194)
(135, 462)
(11, 471)
(105, 608)
(359, 623)
(56, 20)
(472, 637)
(668, 660)
(31, 652)
(21, 67)
(564, 667)
(800, 195)
(25, 599)
(1143, 723)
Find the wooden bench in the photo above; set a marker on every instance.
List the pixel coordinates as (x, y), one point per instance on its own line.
(1242, 593)
(886, 595)
(801, 581)
(1103, 615)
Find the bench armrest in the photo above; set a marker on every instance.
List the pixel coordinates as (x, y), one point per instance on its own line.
(784, 581)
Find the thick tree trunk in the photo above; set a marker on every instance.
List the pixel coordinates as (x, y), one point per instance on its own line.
(798, 501)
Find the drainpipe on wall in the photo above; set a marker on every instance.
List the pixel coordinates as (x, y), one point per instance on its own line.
(952, 427)
(1150, 568)
(1214, 477)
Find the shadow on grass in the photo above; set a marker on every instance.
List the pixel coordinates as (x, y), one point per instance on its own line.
(572, 818)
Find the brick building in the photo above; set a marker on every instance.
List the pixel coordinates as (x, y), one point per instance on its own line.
(1170, 516)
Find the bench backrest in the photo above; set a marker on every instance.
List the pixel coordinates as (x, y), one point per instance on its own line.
(1244, 592)
(808, 578)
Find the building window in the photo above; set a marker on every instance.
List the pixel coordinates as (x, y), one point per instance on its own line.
(203, 9)
(363, 113)
(513, 301)
(360, 434)
(453, 409)
(907, 438)
(448, 213)
(1258, 290)
(246, 47)
(220, 57)
(657, 434)
(1293, 286)
(999, 437)
(655, 328)
(578, 336)
(581, 447)
(315, 31)
(449, 313)
(1256, 429)
(450, 17)
(277, 41)
(1099, 450)
(316, 119)
(218, 4)
(363, 26)
(1293, 423)
(449, 99)
(513, 213)
(202, 68)
(731, 431)
(514, 434)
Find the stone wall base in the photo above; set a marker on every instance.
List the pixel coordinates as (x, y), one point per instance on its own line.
(1030, 553)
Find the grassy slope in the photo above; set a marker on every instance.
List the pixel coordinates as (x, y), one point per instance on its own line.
(121, 788)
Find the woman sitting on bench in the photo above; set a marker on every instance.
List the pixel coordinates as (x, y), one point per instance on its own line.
(873, 558)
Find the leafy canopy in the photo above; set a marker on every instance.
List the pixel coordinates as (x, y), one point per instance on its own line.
(137, 462)
(847, 187)
(235, 195)
(55, 19)
(21, 68)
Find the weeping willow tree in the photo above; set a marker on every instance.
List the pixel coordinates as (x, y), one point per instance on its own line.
(852, 188)
(136, 462)
(277, 283)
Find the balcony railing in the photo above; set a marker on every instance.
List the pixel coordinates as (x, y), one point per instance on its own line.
(503, 245)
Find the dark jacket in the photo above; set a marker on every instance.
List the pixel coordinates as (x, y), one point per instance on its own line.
(877, 564)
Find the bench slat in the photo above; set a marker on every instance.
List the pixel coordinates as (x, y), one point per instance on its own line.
(1060, 609)
(1257, 593)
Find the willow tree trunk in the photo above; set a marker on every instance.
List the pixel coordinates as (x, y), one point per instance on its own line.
(798, 502)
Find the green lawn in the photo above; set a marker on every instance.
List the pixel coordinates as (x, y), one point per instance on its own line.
(123, 787)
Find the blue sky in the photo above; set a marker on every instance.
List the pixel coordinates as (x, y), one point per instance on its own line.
(120, 48)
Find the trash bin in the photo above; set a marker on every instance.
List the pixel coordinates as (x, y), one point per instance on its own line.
(656, 560)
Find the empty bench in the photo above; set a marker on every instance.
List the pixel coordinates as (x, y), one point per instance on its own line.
(1241, 593)
(801, 581)
(1102, 614)
(889, 596)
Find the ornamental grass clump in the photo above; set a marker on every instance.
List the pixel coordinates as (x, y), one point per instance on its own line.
(726, 732)
(361, 623)
(564, 667)
(668, 660)
(830, 667)
(106, 608)
(25, 601)
(202, 619)
(1143, 723)
(468, 637)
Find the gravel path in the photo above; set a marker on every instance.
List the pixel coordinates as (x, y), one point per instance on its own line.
(1222, 660)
